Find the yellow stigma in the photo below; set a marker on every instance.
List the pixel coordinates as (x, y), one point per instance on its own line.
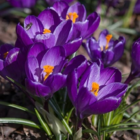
(46, 31)
(95, 88)
(108, 38)
(48, 69)
(72, 16)
(5, 55)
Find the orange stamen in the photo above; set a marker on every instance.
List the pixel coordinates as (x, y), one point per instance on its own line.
(48, 69)
(108, 38)
(5, 55)
(46, 31)
(95, 88)
(72, 16)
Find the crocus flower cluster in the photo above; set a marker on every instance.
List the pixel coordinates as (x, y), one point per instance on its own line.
(41, 58)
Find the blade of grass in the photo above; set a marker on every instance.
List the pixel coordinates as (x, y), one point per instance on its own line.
(19, 121)
(17, 107)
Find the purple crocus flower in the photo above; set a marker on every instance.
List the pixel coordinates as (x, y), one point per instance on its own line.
(99, 91)
(43, 69)
(135, 56)
(12, 63)
(51, 2)
(22, 3)
(106, 49)
(48, 29)
(77, 14)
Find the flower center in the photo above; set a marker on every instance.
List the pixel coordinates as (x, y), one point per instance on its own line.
(48, 69)
(108, 38)
(46, 31)
(5, 55)
(72, 16)
(95, 88)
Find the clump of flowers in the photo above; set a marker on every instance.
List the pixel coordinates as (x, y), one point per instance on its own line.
(45, 65)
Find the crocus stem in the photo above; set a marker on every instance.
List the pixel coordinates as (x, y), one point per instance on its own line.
(64, 101)
(99, 126)
(78, 123)
(129, 79)
(61, 117)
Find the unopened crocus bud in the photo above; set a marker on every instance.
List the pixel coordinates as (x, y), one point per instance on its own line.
(135, 56)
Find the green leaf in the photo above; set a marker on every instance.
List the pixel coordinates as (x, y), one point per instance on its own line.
(90, 131)
(78, 134)
(117, 125)
(19, 121)
(134, 109)
(125, 108)
(61, 137)
(120, 129)
(60, 117)
(127, 30)
(69, 115)
(43, 124)
(17, 107)
(22, 87)
(131, 88)
(130, 117)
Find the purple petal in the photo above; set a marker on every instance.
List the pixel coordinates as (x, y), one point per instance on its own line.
(72, 46)
(5, 48)
(78, 63)
(84, 99)
(10, 71)
(92, 74)
(32, 69)
(108, 57)
(36, 49)
(72, 80)
(63, 32)
(37, 88)
(119, 49)
(61, 7)
(102, 38)
(23, 38)
(55, 82)
(109, 75)
(78, 29)
(79, 9)
(112, 89)
(1, 64)
(47, 39)
(94, 49)
(93, 23)
(33, 26)
(102, 106)
(53, 57)
(12, 56)
(49, 19)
